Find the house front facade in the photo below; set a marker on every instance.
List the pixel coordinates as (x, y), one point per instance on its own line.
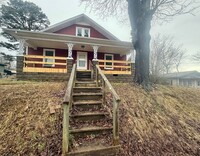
(49, 54)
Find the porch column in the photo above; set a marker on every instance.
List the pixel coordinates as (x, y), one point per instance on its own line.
(95, 48)
(132, 61)
(21, 47)
(20, 59)
(95, 60)
(70, 46)
(69, 58)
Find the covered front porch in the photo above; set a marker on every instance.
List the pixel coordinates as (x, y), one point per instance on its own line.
(55, 53)
(56, 64)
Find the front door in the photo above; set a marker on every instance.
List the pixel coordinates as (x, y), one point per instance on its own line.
(82, 60)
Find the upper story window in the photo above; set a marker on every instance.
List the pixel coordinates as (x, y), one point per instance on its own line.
(83, 32)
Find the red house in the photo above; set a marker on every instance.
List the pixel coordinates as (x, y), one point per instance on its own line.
(49, 54)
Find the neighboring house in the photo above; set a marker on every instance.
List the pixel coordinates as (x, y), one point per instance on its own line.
(76, 40)
(187, 79)
(2, 67)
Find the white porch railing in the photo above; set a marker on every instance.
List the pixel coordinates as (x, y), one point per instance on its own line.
(31, 63)
(116, 67)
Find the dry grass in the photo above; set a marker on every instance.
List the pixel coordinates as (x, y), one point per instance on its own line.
(11, 80)
(165, 121)
(26, 126)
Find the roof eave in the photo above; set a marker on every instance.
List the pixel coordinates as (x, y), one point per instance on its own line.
(22, 34)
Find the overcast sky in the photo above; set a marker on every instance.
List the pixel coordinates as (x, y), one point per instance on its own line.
(185, 28)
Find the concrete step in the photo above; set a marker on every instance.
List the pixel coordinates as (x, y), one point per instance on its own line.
(87, 89)
(96, 151)
(87, 96)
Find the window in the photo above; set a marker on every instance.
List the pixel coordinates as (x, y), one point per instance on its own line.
(108, 65)
(49, 53)
(83, 32)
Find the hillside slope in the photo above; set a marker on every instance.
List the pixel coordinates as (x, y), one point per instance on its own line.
(26, 125)
(165, 121)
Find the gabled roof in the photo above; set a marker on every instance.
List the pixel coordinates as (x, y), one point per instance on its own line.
(184, 75)
(82, 18)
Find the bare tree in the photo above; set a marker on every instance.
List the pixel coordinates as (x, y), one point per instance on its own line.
(141, 13)
(196, 57)
(165, 55)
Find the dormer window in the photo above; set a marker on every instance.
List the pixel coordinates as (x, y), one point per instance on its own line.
(82, 32)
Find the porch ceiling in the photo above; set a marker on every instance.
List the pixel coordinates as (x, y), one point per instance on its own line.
(50, 40)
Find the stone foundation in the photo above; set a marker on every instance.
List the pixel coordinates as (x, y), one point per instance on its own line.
(120, 78)
(42, 76)
(117, 78)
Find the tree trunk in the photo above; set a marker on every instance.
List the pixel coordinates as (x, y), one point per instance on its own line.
(140, 19)
(143, 51)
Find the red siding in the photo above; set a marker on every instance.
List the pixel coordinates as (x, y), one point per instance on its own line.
(71, 30)
(64, 53)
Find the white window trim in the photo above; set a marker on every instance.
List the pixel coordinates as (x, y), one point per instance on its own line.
(44, 52)
(82, 33)
(105, 62)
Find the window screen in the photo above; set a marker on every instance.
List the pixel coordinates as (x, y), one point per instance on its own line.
(49, 53)
(79, 31)
(84, 32)
(109, 65)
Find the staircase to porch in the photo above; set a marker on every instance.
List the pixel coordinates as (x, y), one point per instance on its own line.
(88, 128)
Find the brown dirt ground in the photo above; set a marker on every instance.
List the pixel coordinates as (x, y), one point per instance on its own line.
(165, 121)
